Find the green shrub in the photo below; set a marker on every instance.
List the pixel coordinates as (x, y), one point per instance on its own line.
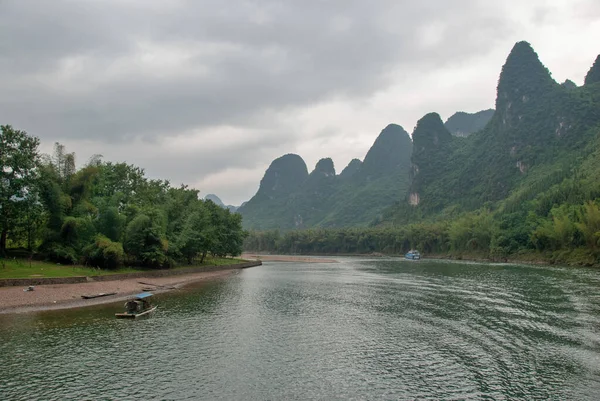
(104, 253)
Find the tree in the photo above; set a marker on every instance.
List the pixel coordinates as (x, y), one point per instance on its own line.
(18, 172)
(197, 235)
(144, 241)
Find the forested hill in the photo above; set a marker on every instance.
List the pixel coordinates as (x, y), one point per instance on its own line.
(540, 134)
(464, 124)
(289, 197)
(524, 185)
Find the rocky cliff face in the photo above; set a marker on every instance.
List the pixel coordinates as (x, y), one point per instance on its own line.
(539, 128)
(430, 157)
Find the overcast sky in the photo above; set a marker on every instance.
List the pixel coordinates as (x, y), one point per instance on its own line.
(208, 93)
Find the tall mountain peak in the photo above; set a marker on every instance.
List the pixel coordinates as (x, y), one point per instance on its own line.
(593, 74)
(352, 168)
(568, 84)
(215, 199)
(284, 175)
(325, 166)
(391, 150)
(430, 154)
(430, 132)
(523, 77)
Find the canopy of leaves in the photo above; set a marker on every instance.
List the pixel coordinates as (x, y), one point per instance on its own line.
(106, 214)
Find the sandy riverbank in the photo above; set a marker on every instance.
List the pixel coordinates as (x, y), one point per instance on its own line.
(62, 296)
(286, 258)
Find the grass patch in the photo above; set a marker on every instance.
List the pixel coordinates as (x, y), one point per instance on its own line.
(212, 261)
(23, 268)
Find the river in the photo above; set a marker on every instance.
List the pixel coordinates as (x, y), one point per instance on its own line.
(364, 328)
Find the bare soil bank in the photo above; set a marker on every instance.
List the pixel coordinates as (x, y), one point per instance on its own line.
(61, 296)
(286, 258)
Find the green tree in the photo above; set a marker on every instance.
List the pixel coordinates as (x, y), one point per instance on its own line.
(18, 172)
(144, 242)
(197, 236)
(590, 224)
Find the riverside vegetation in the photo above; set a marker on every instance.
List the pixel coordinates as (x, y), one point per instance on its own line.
(104, 215)
(525, 186)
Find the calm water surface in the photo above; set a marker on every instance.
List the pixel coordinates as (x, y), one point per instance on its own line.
(359, 329)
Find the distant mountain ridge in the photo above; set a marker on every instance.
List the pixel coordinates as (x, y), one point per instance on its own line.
(217, 201)
(289, 197)
(540, 135)
(464, 124)
(540, 132)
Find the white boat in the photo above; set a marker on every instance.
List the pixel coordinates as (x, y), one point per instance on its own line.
(412, 255)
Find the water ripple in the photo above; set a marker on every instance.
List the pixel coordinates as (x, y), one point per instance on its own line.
(359, 329)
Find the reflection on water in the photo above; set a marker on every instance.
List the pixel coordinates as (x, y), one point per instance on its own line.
(359, 329)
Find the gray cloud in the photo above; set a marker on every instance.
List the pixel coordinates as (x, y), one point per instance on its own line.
(111, 73)
(96, 68)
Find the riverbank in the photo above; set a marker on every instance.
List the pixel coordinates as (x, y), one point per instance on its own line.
(286, 258)
(13, 299)
(533, 259)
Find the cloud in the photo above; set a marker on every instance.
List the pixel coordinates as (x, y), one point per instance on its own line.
(197, 89)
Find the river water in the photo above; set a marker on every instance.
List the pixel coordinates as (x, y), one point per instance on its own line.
(359, 329)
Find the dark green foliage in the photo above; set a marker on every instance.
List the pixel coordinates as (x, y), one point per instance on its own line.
(110, 223)
(197, 235)
(104, 253)
(593, 75)
(432, 153)
(523, 76)
(463, 124)
(90, 216)
(19, 160)
(60, 252)
(145, 242)
(77, 231)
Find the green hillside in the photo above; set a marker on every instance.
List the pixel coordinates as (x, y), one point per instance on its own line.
(539, 132)
(323, 199)
(464, 124)
(525, 186)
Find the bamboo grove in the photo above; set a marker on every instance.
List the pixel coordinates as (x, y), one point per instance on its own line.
(103, 214)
